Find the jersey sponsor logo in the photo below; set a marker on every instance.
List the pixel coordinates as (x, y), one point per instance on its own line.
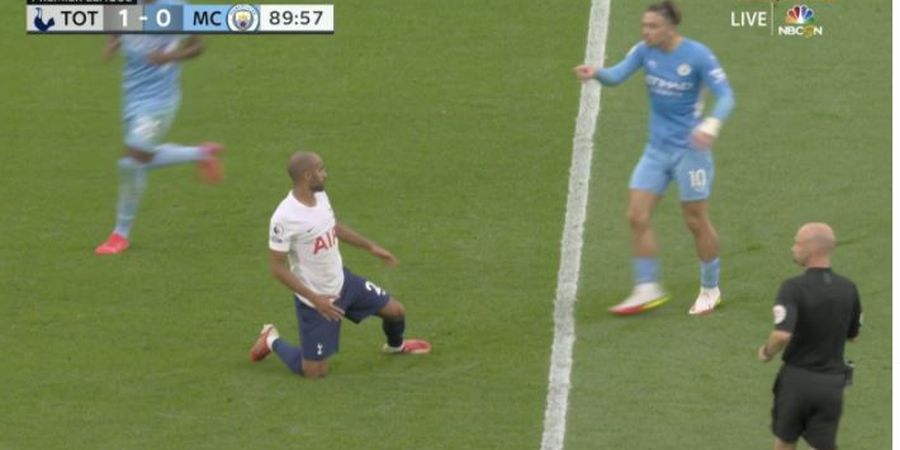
(684, 70)
(326, 241)
(779, 314)
(663, 86)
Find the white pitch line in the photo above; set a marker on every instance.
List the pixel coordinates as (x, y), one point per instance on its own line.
(572, 239)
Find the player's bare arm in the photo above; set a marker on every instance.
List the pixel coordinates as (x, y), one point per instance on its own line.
(778, 340)
(192, 47)
(348, 235)
(111, 47)
(323, 303)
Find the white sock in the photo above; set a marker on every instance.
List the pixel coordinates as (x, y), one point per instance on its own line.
(273, 334)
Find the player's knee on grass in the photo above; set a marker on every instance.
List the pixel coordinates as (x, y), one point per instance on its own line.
(392, 310)
(314, 369)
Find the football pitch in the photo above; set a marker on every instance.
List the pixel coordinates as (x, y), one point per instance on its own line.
(446, 128)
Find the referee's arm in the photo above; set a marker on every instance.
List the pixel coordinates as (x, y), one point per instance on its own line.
(785, 315)
(777, 341)
(856, 320)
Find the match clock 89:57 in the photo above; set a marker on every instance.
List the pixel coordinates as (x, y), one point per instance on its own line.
(297, 18)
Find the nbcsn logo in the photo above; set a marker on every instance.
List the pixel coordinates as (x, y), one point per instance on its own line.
(799, 20)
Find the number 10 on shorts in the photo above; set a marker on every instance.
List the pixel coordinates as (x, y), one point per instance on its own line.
(698, 178)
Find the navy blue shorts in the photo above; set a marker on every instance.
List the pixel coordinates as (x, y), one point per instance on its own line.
(319, 337)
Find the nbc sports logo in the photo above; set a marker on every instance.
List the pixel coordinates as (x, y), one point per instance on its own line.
(799, 20)
(800, 15)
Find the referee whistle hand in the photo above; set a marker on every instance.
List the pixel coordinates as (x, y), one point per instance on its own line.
(584, 72)
(325, 306)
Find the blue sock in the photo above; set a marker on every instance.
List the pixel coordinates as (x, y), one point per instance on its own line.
(132, 184)
(289, 355)
(170, 154)
(709, 273)
(646, 270)
(393, 329)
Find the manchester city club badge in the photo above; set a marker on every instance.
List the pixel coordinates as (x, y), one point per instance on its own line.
(243, 18)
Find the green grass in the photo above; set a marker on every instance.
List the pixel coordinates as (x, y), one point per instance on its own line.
(446, 128)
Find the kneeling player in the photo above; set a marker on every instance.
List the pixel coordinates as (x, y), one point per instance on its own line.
(304, 233)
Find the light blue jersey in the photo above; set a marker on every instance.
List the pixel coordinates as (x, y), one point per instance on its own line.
(148, 87)
(674, 82)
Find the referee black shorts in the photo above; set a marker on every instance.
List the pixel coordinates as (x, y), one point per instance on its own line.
(808, 404)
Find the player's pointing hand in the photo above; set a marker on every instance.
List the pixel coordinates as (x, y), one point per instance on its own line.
(584, 72)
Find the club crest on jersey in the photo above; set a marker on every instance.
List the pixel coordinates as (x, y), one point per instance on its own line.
(684, 70)
(325, 242)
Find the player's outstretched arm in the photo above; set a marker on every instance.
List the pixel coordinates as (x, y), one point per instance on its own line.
(615, 74)
(346, 234)
(193, 47)
(323, 303)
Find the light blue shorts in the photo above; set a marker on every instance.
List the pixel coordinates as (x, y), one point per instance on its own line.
(692, 169)
(146, 128)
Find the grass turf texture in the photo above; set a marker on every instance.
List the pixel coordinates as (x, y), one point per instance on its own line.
(446, 129)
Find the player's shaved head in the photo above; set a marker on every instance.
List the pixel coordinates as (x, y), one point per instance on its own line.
(302, 163)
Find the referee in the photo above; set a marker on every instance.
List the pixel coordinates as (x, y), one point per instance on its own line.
(815, 313)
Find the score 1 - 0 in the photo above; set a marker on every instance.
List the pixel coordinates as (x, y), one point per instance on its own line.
(149, 18)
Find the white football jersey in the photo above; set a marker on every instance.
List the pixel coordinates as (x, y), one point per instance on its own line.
(308, 236)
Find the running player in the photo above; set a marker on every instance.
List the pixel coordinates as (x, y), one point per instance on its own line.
(679, 149)
(151, 96)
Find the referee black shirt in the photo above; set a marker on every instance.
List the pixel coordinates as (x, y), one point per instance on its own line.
(821, 310)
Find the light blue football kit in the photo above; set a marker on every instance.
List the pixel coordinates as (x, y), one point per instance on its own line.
(151, 95)
(674, 81)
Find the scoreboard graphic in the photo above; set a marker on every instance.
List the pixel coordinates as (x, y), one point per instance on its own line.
(124, 16)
